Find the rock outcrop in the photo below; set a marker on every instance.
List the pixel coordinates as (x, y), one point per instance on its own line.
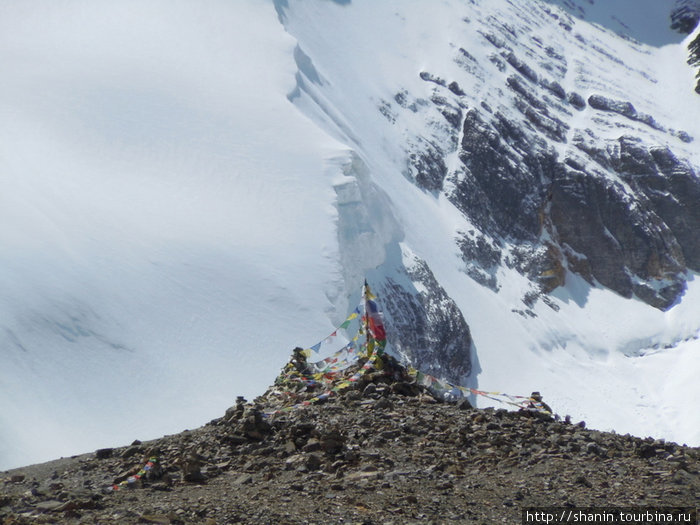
(617, 211)
(421, 321)
(685, 16)
(694, 58)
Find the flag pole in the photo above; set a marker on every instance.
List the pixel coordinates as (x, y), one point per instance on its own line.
(369, 339)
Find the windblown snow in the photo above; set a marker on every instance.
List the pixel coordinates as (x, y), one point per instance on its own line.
(174, 177)
(167, 219)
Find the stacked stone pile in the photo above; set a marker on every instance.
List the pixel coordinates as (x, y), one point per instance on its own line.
(381, 451)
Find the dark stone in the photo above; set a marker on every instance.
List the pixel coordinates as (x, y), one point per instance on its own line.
(401, 98)
(633, 159)
(131, 451)
(577, 101)
(525, 92)
(104, 453)
(675, 191)
(681, 477)
(694, 58)
(369, 390)
(593, 448)
(623, 108)
(303, 428)
(235, 440)
(467, 61)
(454, 87)
(160, 486)
(683, 135)
(464, 404)
(452, 115)
(607, 104)
(495, 40)
(428, 167)
(482, 259)
(313, 462)
(685, 16)
(428, 77)
(522, 67)
(555, 88)
(405, 389)
(498, 62)
(384, 404)
(584, 481)
(551, 126)
(191, 466)
(512, 186)
(694, 48)
(332, 444)
(649, 121)
(253, 425)
(646, 451)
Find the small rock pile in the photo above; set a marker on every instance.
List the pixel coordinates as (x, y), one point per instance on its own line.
(382, 450)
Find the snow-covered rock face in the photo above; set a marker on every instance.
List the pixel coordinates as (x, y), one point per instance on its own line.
(685, 16)
(694, 56)
(557, 151)
(533, 154)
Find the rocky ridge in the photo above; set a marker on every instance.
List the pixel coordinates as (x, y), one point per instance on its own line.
(617, 211)
(685, 16)
(383, 450)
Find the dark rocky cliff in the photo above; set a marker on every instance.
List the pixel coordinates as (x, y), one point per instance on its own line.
(685, 16)
(685, 19)
(424, 320)
(694, 58)
(547, 195)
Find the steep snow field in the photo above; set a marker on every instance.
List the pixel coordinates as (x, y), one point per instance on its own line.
(169, 228)
(166, 219)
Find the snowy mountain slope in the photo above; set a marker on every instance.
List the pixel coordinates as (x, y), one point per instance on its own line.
(189, 193)
(166, 220)
(524, 75)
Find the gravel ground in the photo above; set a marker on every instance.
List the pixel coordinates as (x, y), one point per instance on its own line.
(368, 455)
